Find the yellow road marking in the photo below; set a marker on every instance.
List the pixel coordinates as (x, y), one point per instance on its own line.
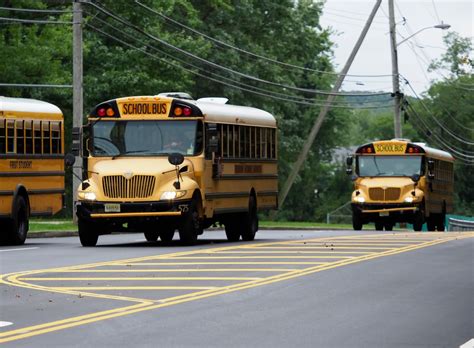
(260, 257)
(154, 270)
(290, 252)
(150, 305)
(140, 278)
(223, 263)
(320, 247)
(132, 287)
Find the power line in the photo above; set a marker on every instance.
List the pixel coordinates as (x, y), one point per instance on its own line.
(215, 65)
(33, 85)
(461, 140)
(34, 10)
(219, 81)
(462, 156)
(242, 50)
(33, 21)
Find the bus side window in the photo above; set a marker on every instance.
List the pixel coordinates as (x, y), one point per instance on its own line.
(3, 143)
(37, 137)
(20, 137)
(46, 138)
(10, 136)
(29, 136)
(55, 137)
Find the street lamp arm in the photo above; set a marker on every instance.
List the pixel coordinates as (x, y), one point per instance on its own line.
(437, 26)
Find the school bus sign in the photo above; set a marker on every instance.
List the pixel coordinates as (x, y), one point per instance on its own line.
(390, 148)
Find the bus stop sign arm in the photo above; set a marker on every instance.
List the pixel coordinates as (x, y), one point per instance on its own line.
(327, 106)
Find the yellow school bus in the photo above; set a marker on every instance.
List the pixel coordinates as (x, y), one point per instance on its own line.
(400, 181)
(157, 164)
(31, 164)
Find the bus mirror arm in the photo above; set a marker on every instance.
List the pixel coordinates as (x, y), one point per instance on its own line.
(349, 161)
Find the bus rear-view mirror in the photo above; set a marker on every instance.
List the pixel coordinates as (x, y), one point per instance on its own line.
(69, 160)
(349, 161)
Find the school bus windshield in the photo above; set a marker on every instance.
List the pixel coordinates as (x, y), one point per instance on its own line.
(388, 165)
(146, 138)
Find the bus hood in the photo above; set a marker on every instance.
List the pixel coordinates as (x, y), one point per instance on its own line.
(386, 182)
(129, 167)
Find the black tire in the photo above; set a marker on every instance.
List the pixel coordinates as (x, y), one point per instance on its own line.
(190, 226)
(431, 223)
(379, 226)
(88, 234)
(151, 234)
(356, 222)
(19, 222)
(250, 221)
(232, 229)
(167, 233)
(440, 222)
(388, 226)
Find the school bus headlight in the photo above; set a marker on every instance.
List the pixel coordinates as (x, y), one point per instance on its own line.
(409, 199)
(360, 199)
(167, 195)
(90, 196)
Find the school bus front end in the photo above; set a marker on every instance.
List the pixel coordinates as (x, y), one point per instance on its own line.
(390, 185)
(131, 179)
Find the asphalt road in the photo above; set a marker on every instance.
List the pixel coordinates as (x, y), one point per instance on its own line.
(286, 289)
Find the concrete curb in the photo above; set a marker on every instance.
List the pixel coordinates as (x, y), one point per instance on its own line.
(54, 234)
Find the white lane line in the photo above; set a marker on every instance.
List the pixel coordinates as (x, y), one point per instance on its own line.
(17, 249)
(468, 344)
(5, 323)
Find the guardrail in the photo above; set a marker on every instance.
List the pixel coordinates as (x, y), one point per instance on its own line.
(460, 225)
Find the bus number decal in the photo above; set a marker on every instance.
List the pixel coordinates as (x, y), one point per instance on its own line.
(144, 109)
(390, 148)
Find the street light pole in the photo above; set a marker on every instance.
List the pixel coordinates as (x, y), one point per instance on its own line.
(397, 124)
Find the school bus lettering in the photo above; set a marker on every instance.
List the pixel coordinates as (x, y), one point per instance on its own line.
(247, 169)
(21, 164)
(390, 148)
(144, 109)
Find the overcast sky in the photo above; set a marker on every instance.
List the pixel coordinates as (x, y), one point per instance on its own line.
(347, 18)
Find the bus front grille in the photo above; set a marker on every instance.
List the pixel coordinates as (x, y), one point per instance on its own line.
(388, 194)
(139, 186)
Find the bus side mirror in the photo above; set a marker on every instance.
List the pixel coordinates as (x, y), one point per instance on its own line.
(349, 161)
(212, 138)
(431, 169)
(176, 159)
(76, 141)
(69, 160)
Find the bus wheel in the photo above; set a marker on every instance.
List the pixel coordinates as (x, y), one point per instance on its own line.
(87, 233)
(167, 233)
(388, 226)
(356, 222)
(379, 226)
(250, 221)
(19, 223)
(431, 223)
(190, 226)
(440, 222)
(151, 234)
(232, 230)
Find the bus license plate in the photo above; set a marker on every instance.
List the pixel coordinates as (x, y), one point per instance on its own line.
(112, 208)
(384, 213)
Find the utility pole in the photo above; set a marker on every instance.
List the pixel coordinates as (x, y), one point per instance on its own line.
(77, 91)
(327, 106)
(397, 124)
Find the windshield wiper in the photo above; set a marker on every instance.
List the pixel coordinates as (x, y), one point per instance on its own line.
(128, 153)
